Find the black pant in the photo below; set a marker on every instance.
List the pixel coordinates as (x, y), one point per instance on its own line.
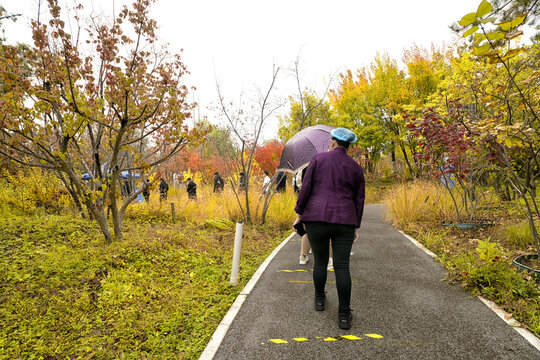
(342, 236)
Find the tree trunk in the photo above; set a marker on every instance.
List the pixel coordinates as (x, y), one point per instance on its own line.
(73, 193)
(246, 193)
(404, 151)
(118, 226)
(393, 154)
(117, 216)
(369, 165)
(101, 220)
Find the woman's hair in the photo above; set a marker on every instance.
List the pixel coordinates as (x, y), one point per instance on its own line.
(341, 143)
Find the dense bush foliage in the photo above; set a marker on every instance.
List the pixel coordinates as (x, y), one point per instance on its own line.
(30, 190)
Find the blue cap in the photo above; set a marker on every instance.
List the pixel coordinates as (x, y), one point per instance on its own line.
(343, 135)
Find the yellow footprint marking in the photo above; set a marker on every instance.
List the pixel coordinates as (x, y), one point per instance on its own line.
(279, 341)
(352, 337)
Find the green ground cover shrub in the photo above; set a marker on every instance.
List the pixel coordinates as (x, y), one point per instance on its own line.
(31, 191)
(158, 294)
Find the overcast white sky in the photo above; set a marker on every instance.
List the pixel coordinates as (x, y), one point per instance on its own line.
(236, 42)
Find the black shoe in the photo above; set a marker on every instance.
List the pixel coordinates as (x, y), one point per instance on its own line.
(320, 304)
(345, 319)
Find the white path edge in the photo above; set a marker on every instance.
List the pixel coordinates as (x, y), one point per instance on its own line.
(506, 317)
(214, 343)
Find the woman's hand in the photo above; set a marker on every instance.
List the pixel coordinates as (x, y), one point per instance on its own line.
(298, 219)
(356, 235)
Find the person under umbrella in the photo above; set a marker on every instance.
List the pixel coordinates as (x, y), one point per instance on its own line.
(330, 206)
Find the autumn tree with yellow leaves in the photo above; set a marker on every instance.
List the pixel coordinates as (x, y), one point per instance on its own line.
(503, 89)
(106, 100)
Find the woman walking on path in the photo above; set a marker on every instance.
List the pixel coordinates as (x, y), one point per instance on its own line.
(330, 205)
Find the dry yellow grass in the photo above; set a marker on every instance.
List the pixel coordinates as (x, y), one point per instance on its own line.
(419, 201)
(210, 206)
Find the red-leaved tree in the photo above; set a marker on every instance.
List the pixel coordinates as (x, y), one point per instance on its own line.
(268, 155)
(446, 148)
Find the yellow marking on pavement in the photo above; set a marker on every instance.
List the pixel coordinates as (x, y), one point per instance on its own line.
(351, 337)
(279, 341)
(325, 339)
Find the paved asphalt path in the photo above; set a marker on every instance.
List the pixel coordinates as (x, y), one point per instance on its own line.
(401, 309)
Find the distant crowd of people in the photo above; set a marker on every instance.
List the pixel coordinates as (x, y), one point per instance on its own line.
(219, 185)
(163, 189)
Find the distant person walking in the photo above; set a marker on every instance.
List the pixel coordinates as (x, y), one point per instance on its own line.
(218, 183)
(330, 205)
(266, 182)
(163, 190)
(191, 189)
(242, 186)
(146, 192)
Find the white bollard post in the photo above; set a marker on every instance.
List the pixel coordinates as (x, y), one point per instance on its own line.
(236, 253)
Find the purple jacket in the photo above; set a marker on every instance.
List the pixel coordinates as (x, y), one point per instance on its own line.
(333, 189)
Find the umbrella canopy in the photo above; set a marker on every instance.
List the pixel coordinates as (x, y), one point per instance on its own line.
(299, 150)
(125, 174)
(129, 174)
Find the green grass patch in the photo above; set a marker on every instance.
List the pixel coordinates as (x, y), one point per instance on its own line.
(519, 235)
(159, 293)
